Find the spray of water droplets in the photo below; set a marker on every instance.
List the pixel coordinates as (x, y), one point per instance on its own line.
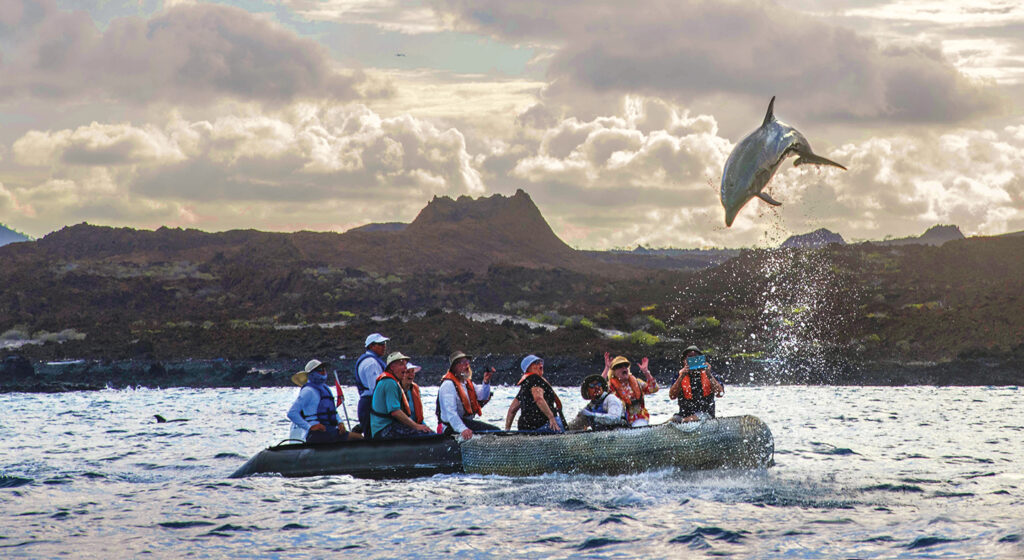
(806, 303)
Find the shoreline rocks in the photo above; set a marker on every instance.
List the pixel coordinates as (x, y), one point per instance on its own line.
(19, 374)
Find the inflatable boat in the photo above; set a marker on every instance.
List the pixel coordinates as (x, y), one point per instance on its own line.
(741, 442)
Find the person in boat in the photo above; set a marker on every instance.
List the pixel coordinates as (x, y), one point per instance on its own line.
(314, 413)
(396, 410)
(604, 411)
(695, 393)
(369, 366)
(540, 406)
(459, 401)
(630, 390)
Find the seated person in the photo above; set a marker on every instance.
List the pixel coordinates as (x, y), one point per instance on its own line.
(696, 394)
(314, 414)
(603, 412)
(628, 389)
(397, 411)
(458, 400)
(540, 405)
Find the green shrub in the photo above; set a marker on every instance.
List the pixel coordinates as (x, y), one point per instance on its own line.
(705, 323)
(644, 338)
(656, 325)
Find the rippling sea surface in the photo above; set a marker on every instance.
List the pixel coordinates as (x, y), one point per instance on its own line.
(862, 472)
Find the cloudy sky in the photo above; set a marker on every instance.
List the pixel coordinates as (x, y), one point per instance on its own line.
(616, 117)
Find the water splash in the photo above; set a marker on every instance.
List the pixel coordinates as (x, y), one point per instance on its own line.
(806, 302)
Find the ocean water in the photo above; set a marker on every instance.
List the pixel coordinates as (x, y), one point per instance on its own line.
(862, 472)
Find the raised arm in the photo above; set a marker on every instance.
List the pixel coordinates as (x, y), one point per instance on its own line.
(652, 384)
(677, 387)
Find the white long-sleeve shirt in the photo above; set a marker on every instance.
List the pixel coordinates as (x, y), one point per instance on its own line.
(452, 410)
(302, 411)
(612, 412)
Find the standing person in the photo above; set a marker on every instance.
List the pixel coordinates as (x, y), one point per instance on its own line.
(630, 390)
(540, 405)
(459, 401)
(603, 412)
(696, 398)
(314, 413)
(368, 368)
(396, 410)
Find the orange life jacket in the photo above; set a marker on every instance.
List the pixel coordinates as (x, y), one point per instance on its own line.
(705, 385)
(558, 401)
(635, 408)
(469, 401)
(417, 404)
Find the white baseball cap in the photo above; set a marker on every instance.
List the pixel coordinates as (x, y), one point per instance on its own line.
(375, 338)
(312, 365)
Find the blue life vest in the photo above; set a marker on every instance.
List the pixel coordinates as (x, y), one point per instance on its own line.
(359, 382)
(326, 410)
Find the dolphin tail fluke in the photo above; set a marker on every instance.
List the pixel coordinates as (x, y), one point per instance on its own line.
(814, 159)
(770, 115)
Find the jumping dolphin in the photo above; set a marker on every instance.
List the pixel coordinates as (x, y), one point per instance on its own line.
(755, 159)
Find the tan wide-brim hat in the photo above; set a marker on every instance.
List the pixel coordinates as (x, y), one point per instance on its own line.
(618, 361)
(300, 378)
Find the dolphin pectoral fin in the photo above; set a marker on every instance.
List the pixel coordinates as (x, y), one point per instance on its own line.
(814, 159)
(769, 116)
(765, 197)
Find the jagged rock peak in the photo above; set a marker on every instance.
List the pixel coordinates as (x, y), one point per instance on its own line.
(943, 233)
(817, 238)
(936, 235)
(518, 208)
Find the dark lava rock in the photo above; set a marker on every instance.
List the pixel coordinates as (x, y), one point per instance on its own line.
(16, 367)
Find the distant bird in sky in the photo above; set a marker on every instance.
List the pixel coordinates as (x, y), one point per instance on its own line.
(400, 54)
(755, 159)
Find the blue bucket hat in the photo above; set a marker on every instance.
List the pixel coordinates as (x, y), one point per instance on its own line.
(528, 361)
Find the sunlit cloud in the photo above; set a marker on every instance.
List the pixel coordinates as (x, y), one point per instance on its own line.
(393, 15)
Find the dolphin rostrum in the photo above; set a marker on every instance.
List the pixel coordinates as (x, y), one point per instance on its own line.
(755, 159)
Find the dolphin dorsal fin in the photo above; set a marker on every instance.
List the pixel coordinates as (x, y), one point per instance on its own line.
(769, 117)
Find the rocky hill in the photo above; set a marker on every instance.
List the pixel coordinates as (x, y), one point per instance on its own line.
(817, 238)
(448, 235)
(936, 235)
(488, 276)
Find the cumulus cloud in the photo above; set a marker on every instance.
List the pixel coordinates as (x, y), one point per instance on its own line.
(96, 144)
(652, 145)
(307, 159)
(674, 49)
(187, 53)
(901, 185)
